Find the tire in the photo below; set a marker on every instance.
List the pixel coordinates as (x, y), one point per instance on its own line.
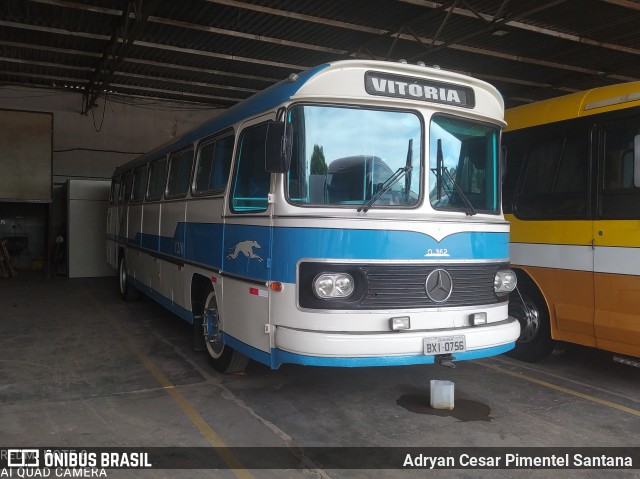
(530, 309)
(127, 290)
(223, 358)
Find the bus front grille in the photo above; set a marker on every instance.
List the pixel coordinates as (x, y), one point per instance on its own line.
(392, 287)
(402, 286)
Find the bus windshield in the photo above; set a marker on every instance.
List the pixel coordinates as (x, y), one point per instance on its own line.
(344, 156)
(463, 165)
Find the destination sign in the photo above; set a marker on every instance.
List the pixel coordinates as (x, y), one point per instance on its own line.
(384, 84)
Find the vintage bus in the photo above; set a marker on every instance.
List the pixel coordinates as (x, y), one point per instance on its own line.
(572, 194)
(347, 216)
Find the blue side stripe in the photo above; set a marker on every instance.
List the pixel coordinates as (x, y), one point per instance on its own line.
(203, 243)
(292, 244)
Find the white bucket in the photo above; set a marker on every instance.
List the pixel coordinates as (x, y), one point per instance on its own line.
(442, 394)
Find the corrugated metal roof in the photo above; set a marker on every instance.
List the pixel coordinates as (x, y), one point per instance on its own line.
(217, 52)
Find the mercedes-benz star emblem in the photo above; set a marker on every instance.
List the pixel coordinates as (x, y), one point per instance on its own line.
(439, 285)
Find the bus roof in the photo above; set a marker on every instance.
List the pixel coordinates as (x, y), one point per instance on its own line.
(330, 82)
(262, 101)
(575, 105)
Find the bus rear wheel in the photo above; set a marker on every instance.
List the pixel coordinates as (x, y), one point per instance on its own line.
(127, 290)
(534, 343)
(223, 358)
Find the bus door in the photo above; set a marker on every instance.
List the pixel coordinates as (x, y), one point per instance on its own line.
(173, 227)
(555, 237)
(112, 223)
(616, 239)
(205, 212)
(134, 261)
(246, 255)
(151, 221)
(123, 207)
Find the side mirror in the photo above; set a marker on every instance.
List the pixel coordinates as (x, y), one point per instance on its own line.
(277, 147)
(636, 161)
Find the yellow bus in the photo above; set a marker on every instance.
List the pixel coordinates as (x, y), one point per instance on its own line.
(572, 193)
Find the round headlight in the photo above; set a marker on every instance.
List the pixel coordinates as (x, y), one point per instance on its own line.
(505, 281)
(333, 285)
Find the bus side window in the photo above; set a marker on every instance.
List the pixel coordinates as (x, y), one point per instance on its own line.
(139, 184)
(214, 163)
(222, 163)
(157, 179)
(204, 167)
(619, 159)
(179, 173)
(115, 191)
(514, 154)
(251, 180)
(620, 196)
(125, 190)
(555, 178)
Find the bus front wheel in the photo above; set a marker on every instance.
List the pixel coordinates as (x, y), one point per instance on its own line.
(535, 342)
(223, 358)
(127, 290)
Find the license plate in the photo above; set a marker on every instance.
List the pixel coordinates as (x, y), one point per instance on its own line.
(444, 345)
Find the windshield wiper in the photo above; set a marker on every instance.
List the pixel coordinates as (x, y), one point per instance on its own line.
(439, 170)
(469, 210)
(392, 180)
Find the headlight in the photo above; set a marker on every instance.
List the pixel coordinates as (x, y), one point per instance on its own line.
(333, 285)
(505, 281)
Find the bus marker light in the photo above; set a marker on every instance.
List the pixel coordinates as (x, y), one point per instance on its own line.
(399, 323)
(276, 286)
(259, 292)
(478, 318)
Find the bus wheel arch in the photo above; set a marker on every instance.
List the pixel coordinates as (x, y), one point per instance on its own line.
(128, 292)
(528, 306)
(222, 357)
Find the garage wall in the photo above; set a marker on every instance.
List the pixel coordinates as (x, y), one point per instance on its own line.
(93, 145)
(88, 147)
(25, 156)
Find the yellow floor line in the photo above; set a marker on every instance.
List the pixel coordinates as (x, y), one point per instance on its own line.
(571, 392)
(207, 431)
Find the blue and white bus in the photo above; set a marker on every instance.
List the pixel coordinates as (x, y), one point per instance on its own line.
(347, 216)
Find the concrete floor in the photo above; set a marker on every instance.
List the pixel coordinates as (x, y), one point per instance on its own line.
(79, 367)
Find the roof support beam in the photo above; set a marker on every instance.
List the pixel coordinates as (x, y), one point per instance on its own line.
(520, 25)
(397, 32)
(424, 40)
(299, 16)
(494, 23)
(247, 36)
(631, 4)
(129, 27)
(468, 12)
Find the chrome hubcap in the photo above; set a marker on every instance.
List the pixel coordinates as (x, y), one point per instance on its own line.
(529, 317)
(123, 277)
(211, 327)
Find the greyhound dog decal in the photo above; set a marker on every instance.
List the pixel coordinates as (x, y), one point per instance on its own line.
(246, 248)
